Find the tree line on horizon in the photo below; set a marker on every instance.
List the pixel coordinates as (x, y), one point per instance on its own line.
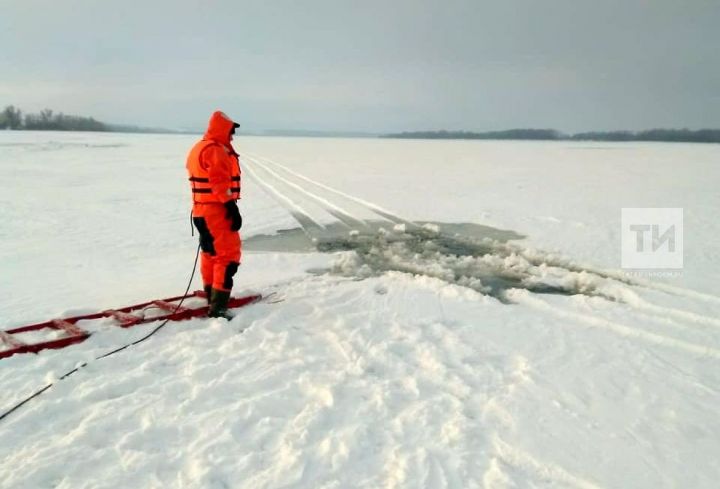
(13, 118)
(47, 120)
(660, 135)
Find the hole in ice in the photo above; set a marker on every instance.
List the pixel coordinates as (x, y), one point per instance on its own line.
(465, 254)
(310, 237)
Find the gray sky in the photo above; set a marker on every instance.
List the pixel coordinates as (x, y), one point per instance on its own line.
(368, 65)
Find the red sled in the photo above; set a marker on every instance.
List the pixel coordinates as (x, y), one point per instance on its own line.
(124, 317)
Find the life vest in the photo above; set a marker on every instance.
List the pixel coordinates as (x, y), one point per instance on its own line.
(199, 177)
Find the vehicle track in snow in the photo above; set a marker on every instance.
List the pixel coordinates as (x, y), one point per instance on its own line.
(298, 213)
(523, 297)
(520, 460)
(333, 209)
(378, 210)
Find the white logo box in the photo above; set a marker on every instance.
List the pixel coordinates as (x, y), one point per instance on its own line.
(652, 238)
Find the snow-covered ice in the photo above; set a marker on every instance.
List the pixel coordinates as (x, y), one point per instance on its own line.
(453, 315)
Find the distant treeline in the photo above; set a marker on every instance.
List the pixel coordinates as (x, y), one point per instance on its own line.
(668, 135)
(47, 120)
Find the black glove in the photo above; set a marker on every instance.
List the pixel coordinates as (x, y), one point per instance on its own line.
(234, 215)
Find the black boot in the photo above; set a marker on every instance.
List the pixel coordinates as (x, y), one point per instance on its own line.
(208, 292)
(218, 304)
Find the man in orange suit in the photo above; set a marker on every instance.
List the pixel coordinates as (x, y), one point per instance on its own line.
(214, 170)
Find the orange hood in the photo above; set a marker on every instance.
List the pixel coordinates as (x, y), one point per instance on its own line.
(219, 128)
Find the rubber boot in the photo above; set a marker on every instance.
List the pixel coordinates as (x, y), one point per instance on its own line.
(218, 304)
(208, 292)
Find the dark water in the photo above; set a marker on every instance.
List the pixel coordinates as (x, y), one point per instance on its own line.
(466, 254)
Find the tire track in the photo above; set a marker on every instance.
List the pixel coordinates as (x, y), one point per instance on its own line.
(524, 297)
(524, 461)
(336, 211)
(380, 211)
(680, 314)
(298, 213)
(538, 257)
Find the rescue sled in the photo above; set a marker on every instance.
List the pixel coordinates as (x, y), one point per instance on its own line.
(125, 317)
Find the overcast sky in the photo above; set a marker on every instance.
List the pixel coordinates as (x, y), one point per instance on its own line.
(368, 65)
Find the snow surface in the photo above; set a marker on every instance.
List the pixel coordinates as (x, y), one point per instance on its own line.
(453, 316)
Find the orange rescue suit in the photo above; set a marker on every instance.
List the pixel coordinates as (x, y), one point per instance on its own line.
(214, 173)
